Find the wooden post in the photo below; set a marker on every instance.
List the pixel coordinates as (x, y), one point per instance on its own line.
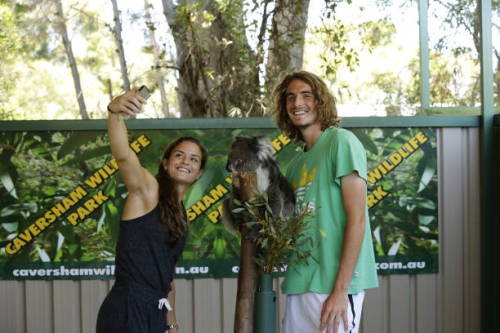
(247, 277)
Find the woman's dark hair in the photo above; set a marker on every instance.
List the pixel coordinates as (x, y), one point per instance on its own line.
(171, 211)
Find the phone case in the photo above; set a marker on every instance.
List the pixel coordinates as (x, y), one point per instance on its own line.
(144, 92)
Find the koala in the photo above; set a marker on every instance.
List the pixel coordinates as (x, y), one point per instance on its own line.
(254, 154)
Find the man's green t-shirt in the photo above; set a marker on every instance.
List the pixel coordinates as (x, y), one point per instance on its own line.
(316, 178)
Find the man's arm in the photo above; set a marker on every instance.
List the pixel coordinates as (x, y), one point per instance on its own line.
(354, 199)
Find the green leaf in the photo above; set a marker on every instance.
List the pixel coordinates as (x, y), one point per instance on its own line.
(90, 154)
(426, 177)
(188, 255)
(394, 248)
(59, 251)
(60, 240)
(428, 204)
(219, 247)
(6, 179)
(43, 255)
(113, 220)
(75, 141)
(100, 222)
(213, 175)
(425, 219)
(72, 248)
(424, 229)
(10, 226)
(366, 141)
(49, 191)
(59, 254)
(10, 210)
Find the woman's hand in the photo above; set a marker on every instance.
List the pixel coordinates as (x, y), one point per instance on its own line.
(129, 103)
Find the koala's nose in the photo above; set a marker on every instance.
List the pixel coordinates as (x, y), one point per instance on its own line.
(238, 164)
(234, 165)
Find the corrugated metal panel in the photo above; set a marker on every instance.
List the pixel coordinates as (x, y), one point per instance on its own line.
(432, 303)
(39, 306)
(67, 306)
(458, 287)
(452, 168)
(12, 307)
(472, 241)
(92, 293)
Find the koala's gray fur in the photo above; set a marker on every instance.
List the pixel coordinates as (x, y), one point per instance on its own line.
(254, 153)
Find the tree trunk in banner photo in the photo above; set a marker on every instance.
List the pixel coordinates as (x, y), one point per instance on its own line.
(247, 277)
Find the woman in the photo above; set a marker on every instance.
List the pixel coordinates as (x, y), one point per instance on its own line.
(152, 230)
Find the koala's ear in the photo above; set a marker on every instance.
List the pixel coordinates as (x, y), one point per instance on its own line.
(241, 137)
(264, 142)
(262, 137)
(265, 147)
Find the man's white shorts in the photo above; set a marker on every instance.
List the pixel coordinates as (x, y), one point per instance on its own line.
(303, 312)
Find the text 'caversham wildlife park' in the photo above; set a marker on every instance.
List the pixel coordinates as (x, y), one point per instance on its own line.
(71, 207)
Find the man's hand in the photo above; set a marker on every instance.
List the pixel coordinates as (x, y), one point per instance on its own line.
(130, 103)
(334, 313)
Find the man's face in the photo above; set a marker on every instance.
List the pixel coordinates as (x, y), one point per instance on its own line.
(300, 104)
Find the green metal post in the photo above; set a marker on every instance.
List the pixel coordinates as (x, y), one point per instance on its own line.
(265, 305)
(423, 35)
(489, 289)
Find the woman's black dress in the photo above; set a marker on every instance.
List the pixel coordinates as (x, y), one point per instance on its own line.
(145, 266)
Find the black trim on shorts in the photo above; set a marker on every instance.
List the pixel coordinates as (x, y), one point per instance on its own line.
(351, 301)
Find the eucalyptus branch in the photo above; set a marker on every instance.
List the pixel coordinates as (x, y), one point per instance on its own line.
(281, 241)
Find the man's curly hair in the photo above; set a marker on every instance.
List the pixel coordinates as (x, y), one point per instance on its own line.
(325, 103)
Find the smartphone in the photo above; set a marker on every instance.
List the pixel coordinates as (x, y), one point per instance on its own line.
(144, 92)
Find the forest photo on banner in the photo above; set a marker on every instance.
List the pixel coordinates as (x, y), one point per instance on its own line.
(61, 198)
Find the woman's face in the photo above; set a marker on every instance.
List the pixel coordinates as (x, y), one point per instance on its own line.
(184, 163)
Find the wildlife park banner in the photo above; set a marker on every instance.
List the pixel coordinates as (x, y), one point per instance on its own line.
(61, 197)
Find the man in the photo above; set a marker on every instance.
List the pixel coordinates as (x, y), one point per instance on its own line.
(329, 177)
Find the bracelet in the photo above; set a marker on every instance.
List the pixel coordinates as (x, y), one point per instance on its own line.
(169, 326)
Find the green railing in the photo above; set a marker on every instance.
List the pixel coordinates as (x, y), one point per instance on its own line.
(205, 123)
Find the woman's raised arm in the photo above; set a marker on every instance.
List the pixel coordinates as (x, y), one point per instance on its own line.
(132, 172)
